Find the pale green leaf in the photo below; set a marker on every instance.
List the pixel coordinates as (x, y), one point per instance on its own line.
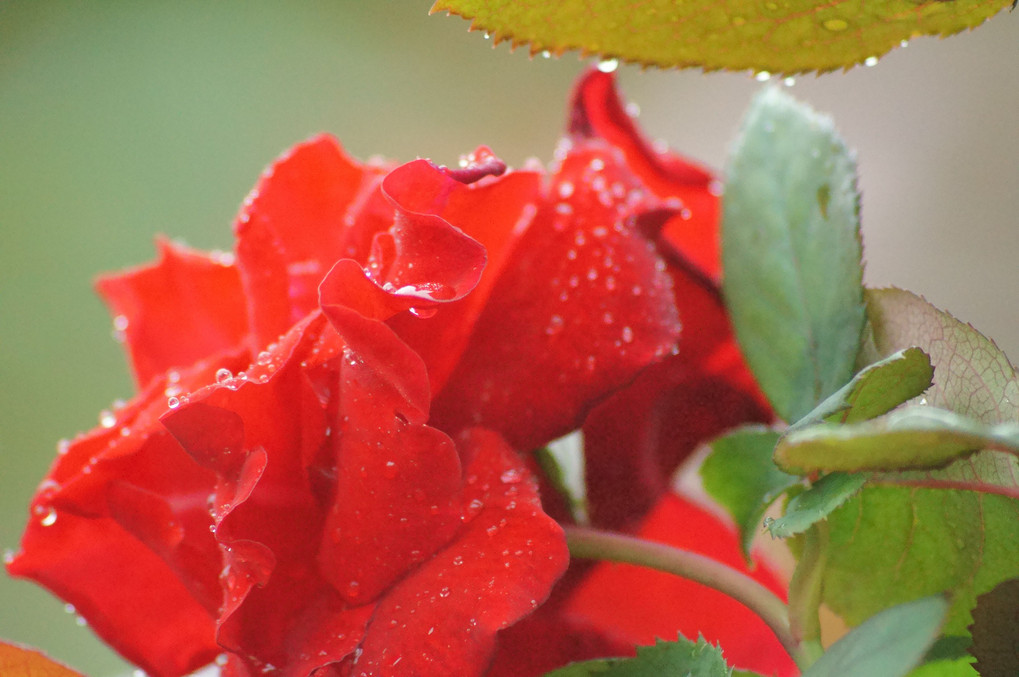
(875, 390)
(780, 36)
(815, 504)
(909, 438)
(792, 259)
(890, 644)
(741, 476)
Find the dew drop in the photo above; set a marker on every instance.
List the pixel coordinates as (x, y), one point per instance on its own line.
(762, 76)
(390, 471)
(608, 65)
(223, 375)
(789, 81)
(458, 560)
(565, 189)
(444, 592)
(555, 325)
(546, 54)
(870, 61)
(107, 419)
(49, 519)
(172, 402)
(627, 335)
(511, 476)
(264, 358)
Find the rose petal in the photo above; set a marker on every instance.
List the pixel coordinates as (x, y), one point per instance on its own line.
(182, 309)
(494, 213)
(295, 224)
(598, 113)
(635, 440)
(582, 305)
(643, 604)
(442, 618)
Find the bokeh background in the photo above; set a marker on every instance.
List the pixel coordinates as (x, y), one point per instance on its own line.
(121, 120)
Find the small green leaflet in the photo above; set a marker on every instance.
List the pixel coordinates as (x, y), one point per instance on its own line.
(916, 437)
(875, 390)
(741, 475)
(814, 504)
(890, 644)
(793, 262)
(790, 36)
(682, 657)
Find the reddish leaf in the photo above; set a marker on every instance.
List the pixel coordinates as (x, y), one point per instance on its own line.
(17, 661)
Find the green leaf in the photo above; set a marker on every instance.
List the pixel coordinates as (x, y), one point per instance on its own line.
(996, 630)
(888, 645)
(787, 36)
(815, 504)
(741, 476)
(682, 657)
(875, 390)
(909, 438)
(792, 263)
(892, 544)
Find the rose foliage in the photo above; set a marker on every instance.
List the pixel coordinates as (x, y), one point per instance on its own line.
(326, 468)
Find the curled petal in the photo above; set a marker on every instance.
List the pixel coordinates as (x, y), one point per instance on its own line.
(583, 304)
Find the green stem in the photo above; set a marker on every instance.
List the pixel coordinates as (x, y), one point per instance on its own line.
(805, 591)
(586, 543)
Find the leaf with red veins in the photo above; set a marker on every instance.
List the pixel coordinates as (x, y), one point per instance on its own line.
(642, 604)
(309, 210)
(495, 212)
(598, 113)
(583, 304)
(182, 309)
(443, 617)
(635, 440)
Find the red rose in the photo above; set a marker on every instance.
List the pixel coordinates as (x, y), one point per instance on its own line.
(300, 482)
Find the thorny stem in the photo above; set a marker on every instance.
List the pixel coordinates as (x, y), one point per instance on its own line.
(587, 543)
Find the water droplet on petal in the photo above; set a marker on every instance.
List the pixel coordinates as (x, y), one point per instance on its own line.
(107, 419)
(870, 61)
(49, 519)
(172, 402)
(223, 375)
(608, 65)
(762, 76)
(511, 476)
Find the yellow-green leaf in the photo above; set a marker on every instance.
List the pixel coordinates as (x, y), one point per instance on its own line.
(779, 36)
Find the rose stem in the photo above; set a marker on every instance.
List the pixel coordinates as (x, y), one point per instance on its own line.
(587, 543)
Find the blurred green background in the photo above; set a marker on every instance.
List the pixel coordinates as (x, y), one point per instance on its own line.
(121, 120)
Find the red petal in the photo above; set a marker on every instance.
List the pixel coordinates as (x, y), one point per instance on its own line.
(421, 261)
(494, 213)
(635, 440)
(128, 540)
(597, 112)
(398, 481)
(583, 303)
(642, 604)
(296, 223)
(184, 308)
(442, 619)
